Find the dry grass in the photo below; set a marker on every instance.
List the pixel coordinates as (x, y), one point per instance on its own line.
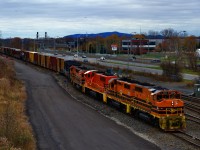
(15, 130)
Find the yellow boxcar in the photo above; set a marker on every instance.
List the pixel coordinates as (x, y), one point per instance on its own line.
(31, 57)
(39, 59)
(42, 60)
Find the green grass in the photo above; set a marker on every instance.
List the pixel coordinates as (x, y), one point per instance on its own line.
(187, 71)
(155, 55)
(190, 72)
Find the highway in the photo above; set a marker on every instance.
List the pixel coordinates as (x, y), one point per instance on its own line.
(132, 65)
(62, 123)
(135, 66)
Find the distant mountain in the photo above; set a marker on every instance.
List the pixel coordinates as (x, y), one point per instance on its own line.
(106, 34)
(103, 34)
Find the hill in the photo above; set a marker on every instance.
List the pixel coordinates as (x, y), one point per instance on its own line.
(103, 34)
(106, 34)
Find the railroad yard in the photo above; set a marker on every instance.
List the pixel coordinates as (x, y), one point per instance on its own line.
(187, 139)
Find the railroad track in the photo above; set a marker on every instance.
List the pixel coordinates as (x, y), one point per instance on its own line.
(192, 107)
(192, 103)
(192, 118)
(191, 99)
(188, 138)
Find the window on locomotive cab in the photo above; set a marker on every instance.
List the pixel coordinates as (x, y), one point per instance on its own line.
(172, 95)
(165, 95)
(102, 79)
(112, 85)
(138, 89)
(88, 75)
(126, 86)
(119, 83)
(178, 96)
(159, 98)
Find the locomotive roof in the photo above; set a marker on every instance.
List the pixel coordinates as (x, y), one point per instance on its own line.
(81, 67)
(152, 87)
(72, 62)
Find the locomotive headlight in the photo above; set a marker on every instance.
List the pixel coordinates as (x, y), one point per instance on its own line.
(172, 103)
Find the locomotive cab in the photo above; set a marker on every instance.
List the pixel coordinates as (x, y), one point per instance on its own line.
(169, 109)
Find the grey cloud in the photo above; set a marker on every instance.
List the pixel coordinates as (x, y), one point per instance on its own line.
(165, 12)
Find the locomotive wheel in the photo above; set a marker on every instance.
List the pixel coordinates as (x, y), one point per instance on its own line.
(122, 108)
(155, 122)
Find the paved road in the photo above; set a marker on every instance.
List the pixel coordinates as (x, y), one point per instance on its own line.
(62, 123)
(132, 65)
(140, 67)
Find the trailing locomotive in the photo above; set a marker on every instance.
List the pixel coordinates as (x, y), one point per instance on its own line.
(160, 106)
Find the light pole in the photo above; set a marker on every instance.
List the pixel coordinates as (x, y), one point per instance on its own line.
(131, 43)
(34, 44)
(22, 44)
(77, 45)
(130, 48)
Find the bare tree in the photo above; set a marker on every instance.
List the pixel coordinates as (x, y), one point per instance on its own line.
(190, 44)
(167, 33)
(153, 33)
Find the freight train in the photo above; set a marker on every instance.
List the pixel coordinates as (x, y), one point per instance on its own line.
(160, 106)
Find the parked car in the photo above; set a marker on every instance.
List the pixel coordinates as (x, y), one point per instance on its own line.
(83, 56)
(75, 55)
(155, 60)
(102, 58)
(85, 60)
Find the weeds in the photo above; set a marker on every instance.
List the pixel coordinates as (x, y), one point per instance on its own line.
(15, 131)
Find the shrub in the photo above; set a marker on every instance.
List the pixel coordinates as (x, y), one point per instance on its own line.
(172, 71)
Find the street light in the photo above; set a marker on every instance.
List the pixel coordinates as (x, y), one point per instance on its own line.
(77, 45)
(130, 48)
(179, 33)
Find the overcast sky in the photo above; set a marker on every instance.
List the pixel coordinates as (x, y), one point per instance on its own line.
(23, 18)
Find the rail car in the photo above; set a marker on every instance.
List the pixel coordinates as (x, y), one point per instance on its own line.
(48, 61)
(160, 106)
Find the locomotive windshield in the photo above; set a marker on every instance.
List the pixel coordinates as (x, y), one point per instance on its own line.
(167, 95)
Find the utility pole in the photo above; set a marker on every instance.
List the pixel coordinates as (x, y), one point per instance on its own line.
(1, 38)
(77, 46)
